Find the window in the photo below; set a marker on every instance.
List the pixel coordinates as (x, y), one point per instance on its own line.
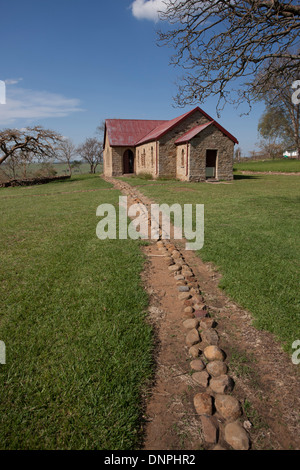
(182, 157)
(152, 160)
(144, 158)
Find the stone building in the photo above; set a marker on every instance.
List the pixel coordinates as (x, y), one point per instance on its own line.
(191, 147)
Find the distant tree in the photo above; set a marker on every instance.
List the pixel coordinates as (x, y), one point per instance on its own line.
(91, 152)
(66, 151)
(24, 158)
(281, 119)
(35, 141)
(46, 170)
(238, 154)
(75, 165)
(271, 150)
(217, 42)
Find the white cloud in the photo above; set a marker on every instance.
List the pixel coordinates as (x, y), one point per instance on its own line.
(30, 105)
(147, 9)
(12, 81)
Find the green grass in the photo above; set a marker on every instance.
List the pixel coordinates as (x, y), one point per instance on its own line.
(282, 165)
(72, 316)
(252, 236)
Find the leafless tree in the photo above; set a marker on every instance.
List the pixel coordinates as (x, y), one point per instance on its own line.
(221, 44)
(238, 154)
(10, 169)
(66, 151)
(35, 141)
(91, 152)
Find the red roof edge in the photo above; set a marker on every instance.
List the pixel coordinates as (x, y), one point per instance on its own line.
(230, 136)
(182, 140)
(190, 134)
(177, 121)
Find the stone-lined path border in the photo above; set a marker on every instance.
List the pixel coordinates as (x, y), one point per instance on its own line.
(220, 413)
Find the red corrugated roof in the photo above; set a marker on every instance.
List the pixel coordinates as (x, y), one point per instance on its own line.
(132, 132)
(127, 132)
(163, 128)
(191, 133)
(196, 130)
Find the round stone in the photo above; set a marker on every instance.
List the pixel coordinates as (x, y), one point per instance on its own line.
(210, 336)
(207, 323)
(187, 273)
(184, 296)
(198, 365)
(203, 404)
(195, 350)
(228, 406)
(201, 378)
(192, 337)
(188, 310)
(174, 267)
(222, 384)
(191, 323)
(214, 353)
(216, 368)
(236, 436)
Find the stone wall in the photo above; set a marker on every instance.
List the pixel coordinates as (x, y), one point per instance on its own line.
(33, 181)
(167, 147)
(107, 159)
(213, 139)
(182, 162)
(146, 159)
(113, 159)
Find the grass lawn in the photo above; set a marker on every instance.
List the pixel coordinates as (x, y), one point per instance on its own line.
(252, 236)
(72, 316)
(281, 165)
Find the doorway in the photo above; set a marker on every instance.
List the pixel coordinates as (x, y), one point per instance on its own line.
(211, 164)
(128, 162)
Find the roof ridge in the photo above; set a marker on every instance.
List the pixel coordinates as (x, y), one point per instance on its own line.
(127, 119)
(173, 122)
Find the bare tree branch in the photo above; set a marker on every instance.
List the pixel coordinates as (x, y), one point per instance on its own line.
(36, 141)
(91, 151)
(221, 44)
(66, 152)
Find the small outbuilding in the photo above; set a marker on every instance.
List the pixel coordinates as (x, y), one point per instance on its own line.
(191, 147)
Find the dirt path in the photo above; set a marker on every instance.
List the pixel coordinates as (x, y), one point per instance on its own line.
(268, 173)
(267, 384)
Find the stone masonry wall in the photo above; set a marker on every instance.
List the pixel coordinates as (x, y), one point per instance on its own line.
(181, 162)
(113, 159)
(167, 147)
(107, 159)
(213, 139)
(146, 159)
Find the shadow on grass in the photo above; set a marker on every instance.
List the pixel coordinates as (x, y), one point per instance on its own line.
(245, 177)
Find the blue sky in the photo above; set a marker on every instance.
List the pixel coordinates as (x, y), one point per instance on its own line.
(70, 64)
